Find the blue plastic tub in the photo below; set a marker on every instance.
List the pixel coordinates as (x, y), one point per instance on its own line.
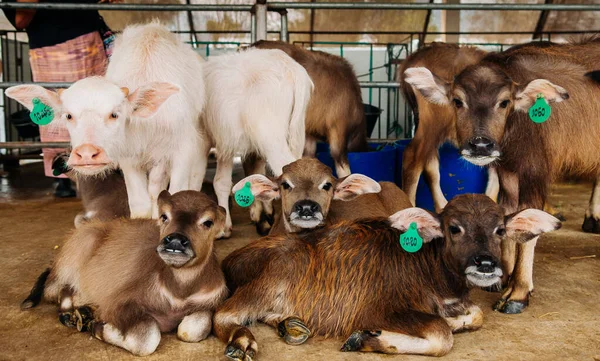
(457, 176)
(379, 163)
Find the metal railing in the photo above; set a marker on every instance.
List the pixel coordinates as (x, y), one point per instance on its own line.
(258, 28)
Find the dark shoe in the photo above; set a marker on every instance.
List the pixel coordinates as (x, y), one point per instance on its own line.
(64, 189)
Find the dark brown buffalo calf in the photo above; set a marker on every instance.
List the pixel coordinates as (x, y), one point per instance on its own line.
(141, 276)
(354, 279)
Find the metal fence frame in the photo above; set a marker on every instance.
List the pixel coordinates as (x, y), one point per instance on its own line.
(258, 30)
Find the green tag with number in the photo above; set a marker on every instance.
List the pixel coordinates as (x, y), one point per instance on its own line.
(244, 196)
(41, 114)
(540, 110)
(410, 240)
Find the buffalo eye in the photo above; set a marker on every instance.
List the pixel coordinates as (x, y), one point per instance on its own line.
(285, 185)
(114, 115)
(457, 103)
(327, 186)
(69, 116)
(454, 229)
(208, 223)
(504, 103)
(164, 218)
(501, 231)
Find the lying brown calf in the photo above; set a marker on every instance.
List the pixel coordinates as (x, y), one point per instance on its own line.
(141, 276)
(311, 196)
(354, 279)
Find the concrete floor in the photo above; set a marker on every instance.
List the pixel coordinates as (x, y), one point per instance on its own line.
(562, 323)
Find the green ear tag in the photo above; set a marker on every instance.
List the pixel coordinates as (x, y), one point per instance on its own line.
(244, 196)
(540, 110)
(41, 114)
(410, 240)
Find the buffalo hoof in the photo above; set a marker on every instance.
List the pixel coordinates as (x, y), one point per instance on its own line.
(591, 225)
(510, 307)
(96, 329)
(84, 316)
(234, 352)
(493, 289)
(356, 341)
(561, 217)
(293, 331)
(68, 319)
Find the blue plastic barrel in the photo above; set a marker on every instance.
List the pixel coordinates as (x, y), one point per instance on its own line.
(379, 163)
(457, 176)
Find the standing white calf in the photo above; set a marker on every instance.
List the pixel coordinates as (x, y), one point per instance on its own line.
(255, 103)
(143, 116)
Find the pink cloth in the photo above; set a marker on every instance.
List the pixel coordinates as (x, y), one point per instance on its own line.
(70, 61)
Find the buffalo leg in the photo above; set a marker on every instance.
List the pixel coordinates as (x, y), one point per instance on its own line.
(222, 184)
(261, 213)
(310, 147)
(432, 176)
(65, 308)
(470, 320)
(141, 339)
(248, 304)
(412, 167)
(158, 180)
(591, 223)
(409, 333)
(338, 147)
(195, 327)
(493, 184)
(515, 297)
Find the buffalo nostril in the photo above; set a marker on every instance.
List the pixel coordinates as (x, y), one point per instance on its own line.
(314, 208)
(185, 242)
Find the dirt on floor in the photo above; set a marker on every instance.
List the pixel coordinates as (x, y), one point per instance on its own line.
(562, 322)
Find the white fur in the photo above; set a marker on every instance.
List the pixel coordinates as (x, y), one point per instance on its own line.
(256, 102)
(142, 340)
(195, 327)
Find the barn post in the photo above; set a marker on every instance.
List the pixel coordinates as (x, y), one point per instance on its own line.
(284, 36)
(260, 10)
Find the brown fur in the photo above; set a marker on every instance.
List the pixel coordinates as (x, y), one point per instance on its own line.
(355, 276)
(105, 198)
(115, 267)
(436, 123)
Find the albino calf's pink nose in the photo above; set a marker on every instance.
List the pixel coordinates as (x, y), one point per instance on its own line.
(88, 153)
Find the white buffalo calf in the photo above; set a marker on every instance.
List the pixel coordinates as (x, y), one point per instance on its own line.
(255, 103)
(143, 116)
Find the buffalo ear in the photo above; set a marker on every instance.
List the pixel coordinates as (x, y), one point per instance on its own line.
(529, 223)
(261, 187)
(428, 224)
(147, 99)
(551, 92)
(431, 87)
(24, 94)
(354, 185)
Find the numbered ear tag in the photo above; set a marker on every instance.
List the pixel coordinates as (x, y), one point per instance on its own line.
(244, 196)
(540, 110)
(410, 240)
(41, 114)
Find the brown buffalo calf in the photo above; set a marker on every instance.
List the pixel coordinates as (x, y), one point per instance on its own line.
(141, 277)
(311, 196)
(437, 122)
(492, 100)
(354, 280)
